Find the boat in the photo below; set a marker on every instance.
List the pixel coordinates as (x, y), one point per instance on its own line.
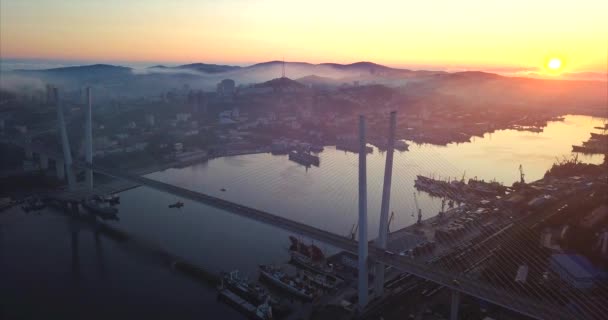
(605, 127)
(324, 281)
(401, 145)
(304, 158)
(260, 312)
(316, 148)
(104, 212)
(309, 257)
(599, 136)
(177, 205)
(289, 284)
(579, 148)
(304, 252)
(482, 187)
(591, 148)
(251, 292)
(112, 199)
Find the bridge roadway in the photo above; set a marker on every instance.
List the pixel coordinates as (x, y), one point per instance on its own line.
(461, 283)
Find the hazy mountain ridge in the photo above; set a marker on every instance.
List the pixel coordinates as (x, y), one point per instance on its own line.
(470, 87)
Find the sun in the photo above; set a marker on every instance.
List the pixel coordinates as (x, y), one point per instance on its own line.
(554, 64)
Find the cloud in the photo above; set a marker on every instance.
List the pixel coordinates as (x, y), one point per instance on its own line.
(20, 83)
(164, 70)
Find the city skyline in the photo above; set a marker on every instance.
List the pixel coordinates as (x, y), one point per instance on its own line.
(515, 38)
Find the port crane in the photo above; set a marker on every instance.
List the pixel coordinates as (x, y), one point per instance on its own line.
(353, 231)
(355, 227)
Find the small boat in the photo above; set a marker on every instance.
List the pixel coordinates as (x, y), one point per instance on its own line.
(177, 205)
(223, 189)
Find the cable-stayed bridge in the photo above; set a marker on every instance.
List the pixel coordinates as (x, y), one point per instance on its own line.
(452, 270)
(452, 278)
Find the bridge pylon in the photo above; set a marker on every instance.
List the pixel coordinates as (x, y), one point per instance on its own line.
(65, 143)
(363, 285)
(386, 199)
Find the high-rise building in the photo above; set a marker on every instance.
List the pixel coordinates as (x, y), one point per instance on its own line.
(226, 88)
(150, 120)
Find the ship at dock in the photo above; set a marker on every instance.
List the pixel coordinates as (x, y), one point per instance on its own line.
(458, 190)
(304, 254)
(292, 285)
(253, 311)
(253, 299)
(598, 143)
(310, 257)
(253, 293)
(323, 281)
(304, 158)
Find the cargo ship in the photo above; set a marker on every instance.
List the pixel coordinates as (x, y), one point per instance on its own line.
(289, 284)
(301, 252)
(324, 281)
(309, 257)
(251, 299)
(304, 158)
(253, 293)
(591, 148)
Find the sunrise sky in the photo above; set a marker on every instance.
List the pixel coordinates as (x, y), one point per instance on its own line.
(487, 34)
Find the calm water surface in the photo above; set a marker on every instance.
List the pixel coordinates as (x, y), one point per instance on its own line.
(325, 197)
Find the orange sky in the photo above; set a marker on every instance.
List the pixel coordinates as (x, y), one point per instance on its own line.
(483, 34)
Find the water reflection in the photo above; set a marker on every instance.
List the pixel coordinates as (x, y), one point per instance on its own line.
(101, 266)
(74, 228)
(326, 196)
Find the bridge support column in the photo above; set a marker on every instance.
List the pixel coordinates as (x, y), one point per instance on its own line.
(363, 285)
(455, 305)
(44, 161)
(65, 144)
(60, 169)
(88, 143)
(386, 199)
